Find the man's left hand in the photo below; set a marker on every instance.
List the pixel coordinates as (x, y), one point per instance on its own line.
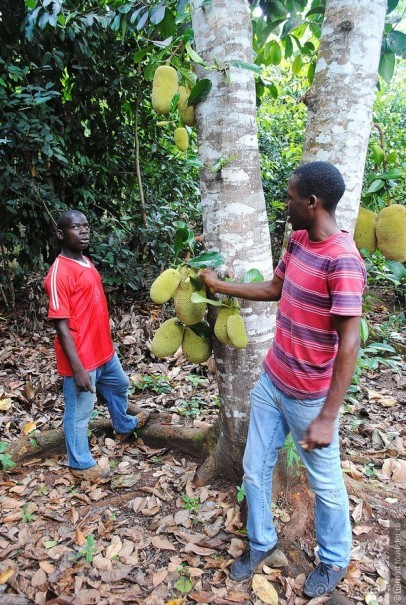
(319, 434)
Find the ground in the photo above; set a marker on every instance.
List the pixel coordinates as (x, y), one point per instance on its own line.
(148, 535)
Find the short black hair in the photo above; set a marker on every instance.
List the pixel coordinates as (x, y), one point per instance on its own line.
(66, 218)
(321, 179)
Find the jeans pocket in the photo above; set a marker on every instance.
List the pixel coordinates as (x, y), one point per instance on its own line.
(311, 403)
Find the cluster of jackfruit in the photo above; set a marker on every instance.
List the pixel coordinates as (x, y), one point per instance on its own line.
(180, 330)
(386, 231)
(164, 87)
(229, 327)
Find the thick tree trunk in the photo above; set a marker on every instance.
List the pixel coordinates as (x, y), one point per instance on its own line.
(234, 215)
(342, 95)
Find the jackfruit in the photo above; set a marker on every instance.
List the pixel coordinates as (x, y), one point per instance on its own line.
(364, 234)
(196, 349)
(164, 286)
(188, 312)
(236, 331)
(167, 338)
(164, 88)
(391, 232)
(186, 113)
(181, 138)
(220, 326)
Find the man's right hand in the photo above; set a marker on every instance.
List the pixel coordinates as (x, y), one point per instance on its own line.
(210, 279)
(83, 381)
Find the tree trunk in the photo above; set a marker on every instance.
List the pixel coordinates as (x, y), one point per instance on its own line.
(341, 98)
(234, 215)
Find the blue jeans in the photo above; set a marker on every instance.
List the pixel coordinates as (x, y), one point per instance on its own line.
(273, 415)
(112, 383)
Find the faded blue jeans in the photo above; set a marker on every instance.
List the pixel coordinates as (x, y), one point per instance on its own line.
(273, 415)
(112, 383)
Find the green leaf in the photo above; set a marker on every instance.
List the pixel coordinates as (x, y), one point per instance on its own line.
(377, 154)
(387, 66)
(275, 53)
(288, 44)
(188, 75)
(198, 298)
(393, 173)
(253, 276)
(375, 186)
(397, 43)
(204, 260)
(317, 10)
(50, 543)
(193, 54)
(311, 71)
(297, 65)
(290, 26)
(392, 4)
(364, 329)
(202, 329)
(184, 584)
(156, 14)
(199, 92)
(250, 66)
(142, 20)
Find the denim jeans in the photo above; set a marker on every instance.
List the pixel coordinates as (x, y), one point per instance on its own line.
(273, 415)
(112, 383)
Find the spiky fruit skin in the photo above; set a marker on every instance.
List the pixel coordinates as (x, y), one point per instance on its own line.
(167, 338)
(220, 326)
(163, 288)
(186, 113)
(164, 88)
(188, 312)
(196, 349)
(391, 232)
(181, 138)
(364, 234)
(236, 331)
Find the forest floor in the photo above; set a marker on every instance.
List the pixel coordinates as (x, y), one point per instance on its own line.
(148, 535)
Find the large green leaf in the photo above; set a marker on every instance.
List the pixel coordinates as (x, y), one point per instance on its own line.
(397, 43)
(253, 276)
(156, 14)
(250, 66)
(387, 66)
(199, 92)
(209, 260)
(193, 54)
(275, 53)
(375, 186)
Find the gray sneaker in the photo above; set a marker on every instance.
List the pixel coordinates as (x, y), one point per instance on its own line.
(244, 567)
(323, 579)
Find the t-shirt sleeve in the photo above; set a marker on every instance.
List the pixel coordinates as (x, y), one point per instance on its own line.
(281, 267)
(58, 290)
(346, 281)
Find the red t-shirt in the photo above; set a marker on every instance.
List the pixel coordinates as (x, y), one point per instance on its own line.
(75, 293)
(320, 280)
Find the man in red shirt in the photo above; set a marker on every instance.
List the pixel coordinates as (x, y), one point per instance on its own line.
(307, 371)
(84, 349)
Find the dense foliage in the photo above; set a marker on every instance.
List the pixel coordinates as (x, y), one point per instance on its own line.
(77, 128)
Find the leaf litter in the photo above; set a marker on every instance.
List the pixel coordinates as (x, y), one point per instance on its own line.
(148, 535)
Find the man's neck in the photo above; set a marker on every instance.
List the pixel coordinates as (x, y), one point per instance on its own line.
(73, 254)
(323, 229)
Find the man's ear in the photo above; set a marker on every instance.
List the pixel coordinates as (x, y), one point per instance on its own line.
(59, 233)
(313, 201)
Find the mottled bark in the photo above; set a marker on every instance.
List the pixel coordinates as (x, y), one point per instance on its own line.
(341, 98)
(234, 215)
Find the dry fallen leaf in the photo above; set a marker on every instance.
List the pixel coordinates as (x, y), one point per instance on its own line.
(6, 575)
(383, 400)
(29, 427)
(350, 469)
(395, 469)
(162, 543)
(5, 404)
(264, 590)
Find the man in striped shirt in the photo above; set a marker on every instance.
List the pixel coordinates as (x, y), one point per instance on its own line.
(84, 349)
(319, 283)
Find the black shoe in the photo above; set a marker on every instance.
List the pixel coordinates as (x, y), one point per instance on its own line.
(246, 564)
(323, 579)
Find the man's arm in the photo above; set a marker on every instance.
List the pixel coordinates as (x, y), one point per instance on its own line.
(266, 290)
(320, 432)
(81, 376)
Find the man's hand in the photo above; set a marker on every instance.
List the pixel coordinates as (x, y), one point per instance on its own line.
(319, 434)
(83, 381)
(210, 279)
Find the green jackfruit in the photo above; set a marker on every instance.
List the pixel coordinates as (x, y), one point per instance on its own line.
(181, 138)
(164, 286)
(186, 113)
(188, 312)
(167, 338)
(195, 348)
(391, 232)
(364, 234)
(220, 326)
(236, 331)
(164, 88)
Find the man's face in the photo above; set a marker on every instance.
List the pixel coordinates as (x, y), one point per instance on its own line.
(297, 208)
(75, 234)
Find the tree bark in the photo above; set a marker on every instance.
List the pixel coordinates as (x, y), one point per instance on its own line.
(234, 214)
(341, 98)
